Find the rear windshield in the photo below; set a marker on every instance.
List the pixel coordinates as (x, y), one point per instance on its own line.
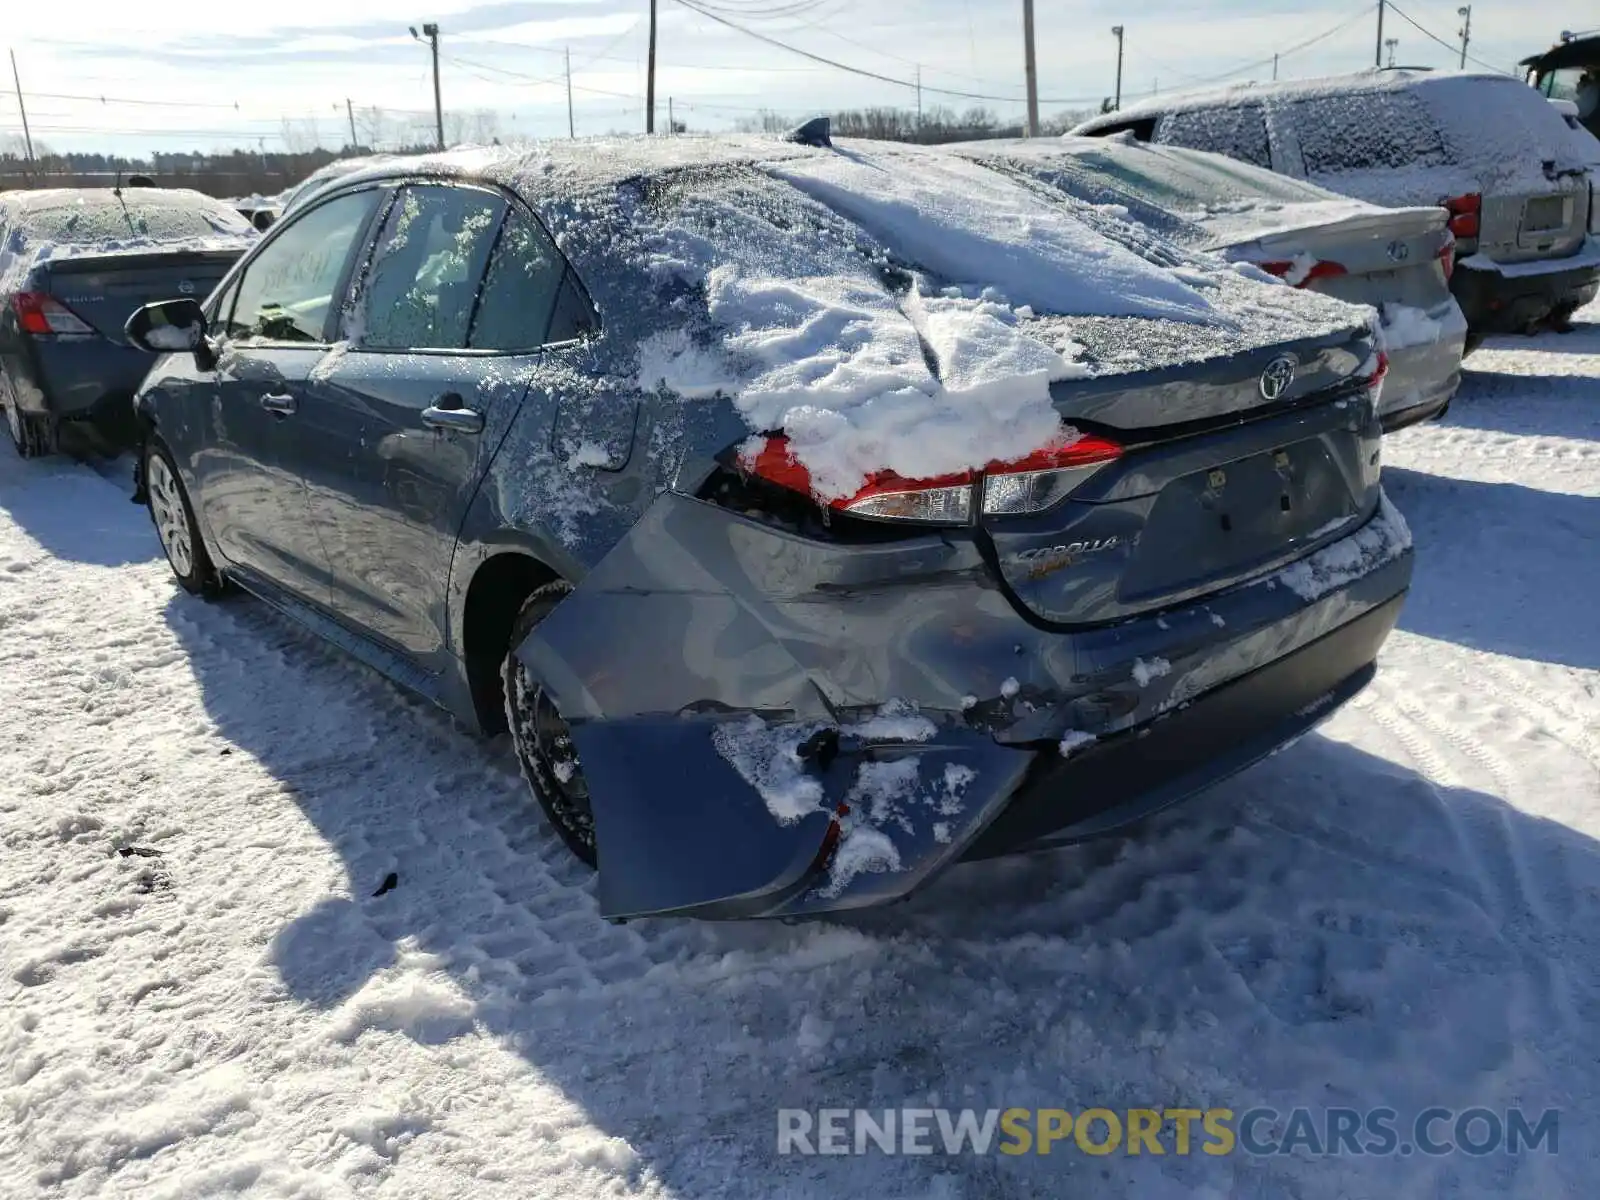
(1239, 131)
(144, 214)
(1360, 131)
(1189, 182)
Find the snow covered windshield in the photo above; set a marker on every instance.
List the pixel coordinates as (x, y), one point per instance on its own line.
(97, 217)
(1183, 181)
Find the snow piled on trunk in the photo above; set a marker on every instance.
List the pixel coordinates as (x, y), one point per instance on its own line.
(904, 337)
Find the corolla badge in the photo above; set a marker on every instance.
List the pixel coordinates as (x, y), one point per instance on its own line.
(1275, 380)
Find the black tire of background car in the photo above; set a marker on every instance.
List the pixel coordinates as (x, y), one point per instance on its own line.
(202, 579)
(540, 735)
(1474, 340)
(32, 435)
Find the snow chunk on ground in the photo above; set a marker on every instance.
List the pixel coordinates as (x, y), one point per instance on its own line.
(1381, 539)
(970, 224)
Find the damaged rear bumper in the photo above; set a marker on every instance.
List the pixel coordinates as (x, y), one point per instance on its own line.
(764, 736)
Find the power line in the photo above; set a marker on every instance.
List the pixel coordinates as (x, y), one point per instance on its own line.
(1294, 49)
(862, 71)
(1453, 47)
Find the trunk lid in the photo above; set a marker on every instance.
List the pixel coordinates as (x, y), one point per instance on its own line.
(1217, 484)
(105, 289)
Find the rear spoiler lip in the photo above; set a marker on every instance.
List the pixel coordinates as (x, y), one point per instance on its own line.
(116, 260)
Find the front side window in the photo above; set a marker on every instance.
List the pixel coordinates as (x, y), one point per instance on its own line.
(531, 297)
(287, 289)
(1239, 132)
(422, 286)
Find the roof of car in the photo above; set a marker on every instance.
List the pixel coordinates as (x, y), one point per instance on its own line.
(1576, 52)
(1371, 80)
(583, 164)
(28, 200)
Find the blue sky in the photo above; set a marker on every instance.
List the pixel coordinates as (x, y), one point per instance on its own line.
(224, 74)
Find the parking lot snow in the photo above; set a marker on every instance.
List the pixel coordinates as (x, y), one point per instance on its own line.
(270, 928)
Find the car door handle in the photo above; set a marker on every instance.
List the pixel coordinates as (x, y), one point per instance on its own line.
(280, 403)
(460, 420)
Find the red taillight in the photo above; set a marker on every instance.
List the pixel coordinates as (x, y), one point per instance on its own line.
(1447, 256)
(1374, 380)
(1464, 212)
(1025, 485)
(1299, 274)
(45, 316)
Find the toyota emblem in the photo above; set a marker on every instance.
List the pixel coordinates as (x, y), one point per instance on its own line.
(1275, 380)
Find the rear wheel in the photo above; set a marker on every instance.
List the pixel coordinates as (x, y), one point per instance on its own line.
(176, 526)
(542, 737)
(30, 434)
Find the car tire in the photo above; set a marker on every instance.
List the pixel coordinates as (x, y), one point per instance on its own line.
(176, 527)
(541, 737)
(32, 435)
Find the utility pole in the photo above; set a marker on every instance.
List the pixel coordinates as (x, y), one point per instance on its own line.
(1377, 56)
(27, 136)
(1465, 31)
(650, 77)
(1117, 103)
(1274, 68)
(919, 95)
(1030, 67)
(572, 130)
(431, 32)
(351, 113)
(672, 123)
(1391, 43)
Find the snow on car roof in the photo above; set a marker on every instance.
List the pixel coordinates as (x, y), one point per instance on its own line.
(886, 308)
(51, 224)
(1398, 137)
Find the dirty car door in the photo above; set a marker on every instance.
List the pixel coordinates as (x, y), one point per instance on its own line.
(272, 331)
(450, 316)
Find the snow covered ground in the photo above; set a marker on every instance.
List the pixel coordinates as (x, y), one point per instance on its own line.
(201, 995)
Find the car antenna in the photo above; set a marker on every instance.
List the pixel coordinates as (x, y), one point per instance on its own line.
(117, 192)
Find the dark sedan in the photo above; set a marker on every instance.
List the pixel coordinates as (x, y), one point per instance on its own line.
(812, 518)
(74, 265)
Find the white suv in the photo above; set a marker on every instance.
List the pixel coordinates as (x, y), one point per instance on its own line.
(1487, 148)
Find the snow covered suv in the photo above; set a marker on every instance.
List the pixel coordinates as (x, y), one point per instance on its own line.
(814, 518)
(1486, 147)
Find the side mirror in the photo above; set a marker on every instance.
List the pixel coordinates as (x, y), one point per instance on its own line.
(169, 326)
(166, 326)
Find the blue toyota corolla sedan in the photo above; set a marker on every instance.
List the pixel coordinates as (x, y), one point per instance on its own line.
(812, 516)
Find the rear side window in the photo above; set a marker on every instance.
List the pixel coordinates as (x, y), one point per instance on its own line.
(1364, 131)
(425, 272)
(287, 289)
(531, 297)
(1239, 132)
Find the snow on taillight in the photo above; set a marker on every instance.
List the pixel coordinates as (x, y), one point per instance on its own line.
(1464, 213)
(1300, 272)
(1045, 477)
(1025, 485)
(1447, 255)
(45, 316)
